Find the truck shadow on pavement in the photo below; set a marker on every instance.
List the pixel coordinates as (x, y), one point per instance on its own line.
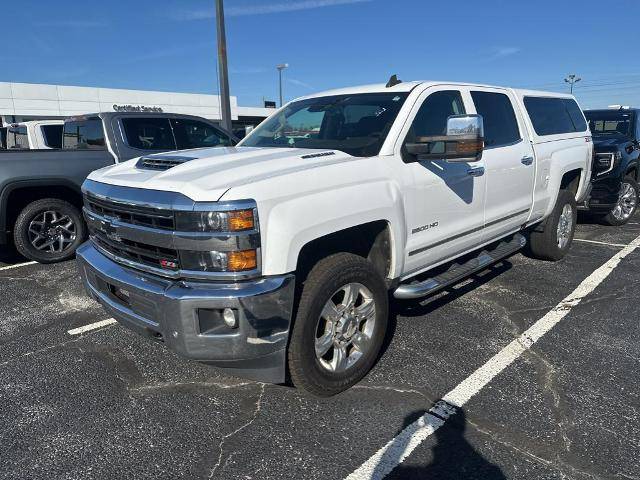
(452, 457)
(9, 255)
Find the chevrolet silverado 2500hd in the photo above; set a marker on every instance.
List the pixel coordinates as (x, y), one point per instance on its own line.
(40, 198)
(277, 255)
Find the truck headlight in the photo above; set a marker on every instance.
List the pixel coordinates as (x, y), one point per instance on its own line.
(229, 221)
(606, 161)
(236, 261)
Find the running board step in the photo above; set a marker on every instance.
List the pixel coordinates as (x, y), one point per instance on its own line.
(459, 272)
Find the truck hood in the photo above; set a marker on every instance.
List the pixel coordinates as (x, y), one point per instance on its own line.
(205, 174)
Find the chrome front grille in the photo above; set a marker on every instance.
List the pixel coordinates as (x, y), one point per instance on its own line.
(135, 215)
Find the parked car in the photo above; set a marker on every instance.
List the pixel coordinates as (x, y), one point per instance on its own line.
(616, 171)
(278, 255)
(32, 135)
(40, 198)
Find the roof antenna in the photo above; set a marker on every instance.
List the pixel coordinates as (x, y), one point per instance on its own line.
(393, 81)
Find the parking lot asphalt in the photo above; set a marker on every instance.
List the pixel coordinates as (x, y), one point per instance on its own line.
(107, 403)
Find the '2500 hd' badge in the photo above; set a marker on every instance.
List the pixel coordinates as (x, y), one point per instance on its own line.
(424, 227)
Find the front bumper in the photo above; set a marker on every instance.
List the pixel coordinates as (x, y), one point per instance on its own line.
(186, 316)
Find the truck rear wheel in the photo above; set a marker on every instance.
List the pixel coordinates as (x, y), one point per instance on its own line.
(552, 240)
(627, 203)
(340, 325)
(49, 230)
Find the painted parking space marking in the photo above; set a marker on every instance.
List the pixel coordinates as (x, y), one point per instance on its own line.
(92, 326)
(400, 447)
(17, 265)
(599, 243)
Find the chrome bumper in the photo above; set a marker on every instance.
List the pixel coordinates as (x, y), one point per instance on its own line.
(186, 316)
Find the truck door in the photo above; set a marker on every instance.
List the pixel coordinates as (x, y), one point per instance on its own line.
(444, 205)
(508, 161)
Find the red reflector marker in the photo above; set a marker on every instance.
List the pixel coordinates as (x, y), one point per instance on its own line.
(168, 264)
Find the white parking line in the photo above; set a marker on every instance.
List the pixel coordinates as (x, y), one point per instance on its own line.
(9, 267)
(400, 447)
(599, 243)
(92, 326)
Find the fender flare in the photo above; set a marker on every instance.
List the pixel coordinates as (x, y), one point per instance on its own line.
(26, 183)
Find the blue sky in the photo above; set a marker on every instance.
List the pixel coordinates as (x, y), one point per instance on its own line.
(170, 44)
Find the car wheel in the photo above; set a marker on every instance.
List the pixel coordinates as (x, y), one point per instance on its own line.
(49, 230)
(553, 238)
(627, 203)
(339, 326)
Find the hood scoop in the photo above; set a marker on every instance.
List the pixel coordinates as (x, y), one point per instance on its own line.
(164, 162)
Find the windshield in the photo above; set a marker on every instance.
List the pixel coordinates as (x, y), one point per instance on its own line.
(609, 122)
(355, 124)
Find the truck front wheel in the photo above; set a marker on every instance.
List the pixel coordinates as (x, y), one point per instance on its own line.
(552, 240)
(627, 203)
(49, 230)
(340, 325)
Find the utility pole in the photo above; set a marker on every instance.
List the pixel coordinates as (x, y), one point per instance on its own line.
(225, 101)
(280, 68)
(572, 80)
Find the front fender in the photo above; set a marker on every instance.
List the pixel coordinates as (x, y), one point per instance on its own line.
(293, 222)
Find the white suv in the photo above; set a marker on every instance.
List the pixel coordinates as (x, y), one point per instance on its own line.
(277, 255)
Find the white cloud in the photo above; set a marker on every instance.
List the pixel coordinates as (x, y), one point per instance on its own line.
(501, 52)
(263, 9)
(299, 83)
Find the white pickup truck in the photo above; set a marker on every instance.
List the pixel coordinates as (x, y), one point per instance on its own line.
(275, 258)
(33, 135)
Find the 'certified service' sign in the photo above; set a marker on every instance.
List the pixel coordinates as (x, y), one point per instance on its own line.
(136, 108)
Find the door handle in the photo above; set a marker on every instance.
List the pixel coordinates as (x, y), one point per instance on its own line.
(527, 160)
(476, 171)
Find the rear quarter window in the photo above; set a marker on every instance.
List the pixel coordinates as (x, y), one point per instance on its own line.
(52, 135)
(17, 138)
(83, 135)
(554, 116)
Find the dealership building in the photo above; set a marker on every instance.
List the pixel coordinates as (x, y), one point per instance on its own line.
(27, 101)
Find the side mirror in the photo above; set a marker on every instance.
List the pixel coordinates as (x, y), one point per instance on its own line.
(464, 141)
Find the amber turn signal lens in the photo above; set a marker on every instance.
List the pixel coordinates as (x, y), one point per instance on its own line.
(241, 220)
(243, 260)
(470, 147)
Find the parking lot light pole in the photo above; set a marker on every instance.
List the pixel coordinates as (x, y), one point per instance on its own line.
(225, 102)
(280, 68)
(572, 80)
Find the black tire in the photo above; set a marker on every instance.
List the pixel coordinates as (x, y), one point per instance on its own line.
(543, 240)
(23, 239)
(610, 218)
(323, 283)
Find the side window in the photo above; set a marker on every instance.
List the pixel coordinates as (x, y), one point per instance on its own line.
(3, 138)
(17, 138)
(553, 116)
(431, 119)
(195, 134)
(148, 133)
(83, 135)
(52, 135)
(500, 124)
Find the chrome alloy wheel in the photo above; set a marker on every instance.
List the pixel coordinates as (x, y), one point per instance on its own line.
(565, 226)
(627, 201)
(52, 231)
(345, 327)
